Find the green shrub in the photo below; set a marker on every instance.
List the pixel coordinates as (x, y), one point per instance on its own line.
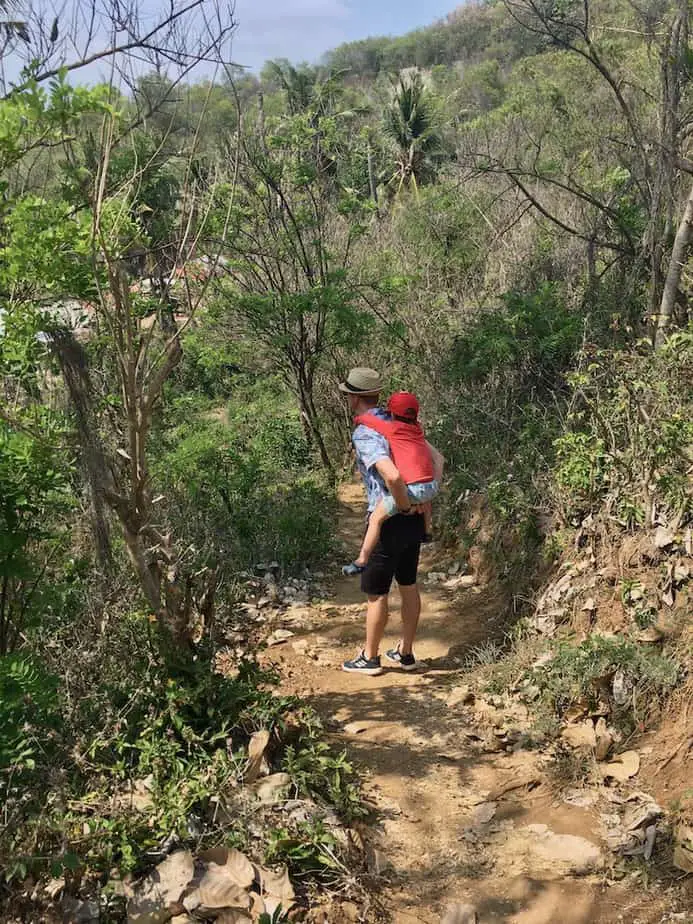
(247, 490)
(627, 443)
(585, 671)
(28, 716)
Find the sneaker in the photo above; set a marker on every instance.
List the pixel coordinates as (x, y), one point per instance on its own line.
(407, 662)
(353, 569)
(363, 665)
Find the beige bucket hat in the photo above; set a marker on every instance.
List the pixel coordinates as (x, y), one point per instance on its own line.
(361, 381)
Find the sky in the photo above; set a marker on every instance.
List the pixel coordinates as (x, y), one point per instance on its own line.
(303, 30)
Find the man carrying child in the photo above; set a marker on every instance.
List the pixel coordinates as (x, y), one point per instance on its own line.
(396, 552)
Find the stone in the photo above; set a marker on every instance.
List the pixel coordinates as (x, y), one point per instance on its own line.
(574, 854)
(459, 914)
(279, 636)
(378, 862)
(663, 537)
(460, 696)
(273, 788)
(483, 813)
(622, 768)
(580, 735)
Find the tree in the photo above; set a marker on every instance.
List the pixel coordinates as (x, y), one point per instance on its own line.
(411, 126)
(289, 281)
(116, 219)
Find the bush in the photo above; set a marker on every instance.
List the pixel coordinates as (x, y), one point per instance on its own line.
(585, 672)
(244, 483)
(627, 445)
(28, 717)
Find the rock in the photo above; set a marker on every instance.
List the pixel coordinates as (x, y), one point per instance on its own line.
(86, 912)
(279, 636)
(378, 863)
(622, 768)
(663, 537)
(461, 580)
(580, 798)
(356, 728)
(650, 635)
(460, 696)
(454, 568)
(683, 848)
(435, 577)
(459, 914)
(483, 813)
(581, 735)
(637, 816)
(273, 788)
(573, 854)
(350, 911)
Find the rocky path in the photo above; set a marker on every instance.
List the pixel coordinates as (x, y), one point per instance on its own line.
(467, 817)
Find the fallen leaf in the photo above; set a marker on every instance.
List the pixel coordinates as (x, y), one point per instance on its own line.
(589, 606)
(605, 740)
(256, 752)
(276, 889)
(236, 865)
(622, 768)
(162, 888)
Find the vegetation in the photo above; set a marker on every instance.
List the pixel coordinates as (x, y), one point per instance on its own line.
(187, 270)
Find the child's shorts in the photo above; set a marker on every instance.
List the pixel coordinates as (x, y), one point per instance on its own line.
(420, 492)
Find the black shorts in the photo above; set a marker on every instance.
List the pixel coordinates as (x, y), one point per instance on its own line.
(395, 556)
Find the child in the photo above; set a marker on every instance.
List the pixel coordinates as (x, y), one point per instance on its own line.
(412, 455)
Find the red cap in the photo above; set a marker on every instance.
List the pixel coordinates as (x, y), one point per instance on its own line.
(404, 404)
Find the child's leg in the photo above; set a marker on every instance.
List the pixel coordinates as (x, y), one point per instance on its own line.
(370, 540)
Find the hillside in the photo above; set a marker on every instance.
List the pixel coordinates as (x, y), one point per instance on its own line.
(495, 213)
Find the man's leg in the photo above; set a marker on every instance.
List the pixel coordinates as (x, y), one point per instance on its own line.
(411, 610)
(376, 620)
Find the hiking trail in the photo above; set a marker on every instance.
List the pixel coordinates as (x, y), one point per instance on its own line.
(462, 819)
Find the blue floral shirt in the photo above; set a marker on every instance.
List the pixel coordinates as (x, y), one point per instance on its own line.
(370, 448)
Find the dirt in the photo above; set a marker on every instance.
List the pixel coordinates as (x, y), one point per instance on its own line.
(429, 771)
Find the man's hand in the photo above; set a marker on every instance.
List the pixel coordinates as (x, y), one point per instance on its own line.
(394, 482)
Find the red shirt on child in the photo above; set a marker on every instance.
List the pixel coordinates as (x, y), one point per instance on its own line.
(408, 446)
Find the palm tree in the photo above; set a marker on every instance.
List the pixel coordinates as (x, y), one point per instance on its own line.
(411, 125)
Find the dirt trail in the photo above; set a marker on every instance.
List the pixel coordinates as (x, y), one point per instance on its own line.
(429, 774)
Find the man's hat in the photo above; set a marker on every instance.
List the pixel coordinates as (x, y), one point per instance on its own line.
(361, 382)
(404, 404)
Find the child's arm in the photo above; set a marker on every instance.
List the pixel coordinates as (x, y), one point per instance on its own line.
(438, 462)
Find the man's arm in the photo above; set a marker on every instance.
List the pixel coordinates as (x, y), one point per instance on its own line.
(438, 462)
(394, 482)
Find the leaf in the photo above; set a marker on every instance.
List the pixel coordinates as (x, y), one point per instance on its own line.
(236, 865)
(162, 888)
(256, 752)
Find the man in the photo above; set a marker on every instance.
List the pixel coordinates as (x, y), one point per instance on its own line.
(397, 553)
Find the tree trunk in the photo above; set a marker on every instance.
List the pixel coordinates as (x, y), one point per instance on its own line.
(371, 176)
(677, 262)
